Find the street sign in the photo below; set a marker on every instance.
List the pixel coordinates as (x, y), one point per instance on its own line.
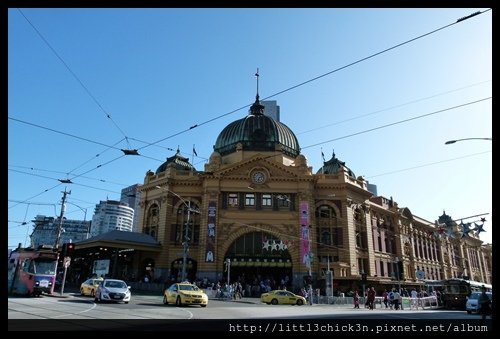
(420, 275)
(67, 261)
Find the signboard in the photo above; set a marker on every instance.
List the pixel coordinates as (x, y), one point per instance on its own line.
(101, 267)
(211, 226)
(305, 240)
(67, 261)
(420, 275)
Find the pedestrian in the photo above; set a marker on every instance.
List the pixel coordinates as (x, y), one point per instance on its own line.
(397, 298)
(414, 299)
(484, 303)
(356, 300)
(385, 295)
(371, 297)
(391, 298)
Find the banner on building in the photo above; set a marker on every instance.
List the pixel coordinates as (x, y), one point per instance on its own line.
(305, 240)
(210, 243)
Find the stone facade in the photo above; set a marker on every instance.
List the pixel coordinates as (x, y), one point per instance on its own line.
(351, 231)
(259, 207)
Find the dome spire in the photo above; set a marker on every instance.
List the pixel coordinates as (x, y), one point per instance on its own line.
(257, 108)
(257, 76)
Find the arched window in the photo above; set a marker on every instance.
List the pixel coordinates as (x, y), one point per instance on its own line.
(187, 226)
(326, 238)
(152, 220)
(328, 231)
(361, 232)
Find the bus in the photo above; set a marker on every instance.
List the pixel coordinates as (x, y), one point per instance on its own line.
(456, 291)
(32, 272)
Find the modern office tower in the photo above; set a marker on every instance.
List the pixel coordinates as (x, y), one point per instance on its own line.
(112, 215)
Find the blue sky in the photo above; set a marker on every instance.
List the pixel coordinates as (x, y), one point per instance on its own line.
(124, 78)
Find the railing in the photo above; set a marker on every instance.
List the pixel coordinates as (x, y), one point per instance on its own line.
(407, 302)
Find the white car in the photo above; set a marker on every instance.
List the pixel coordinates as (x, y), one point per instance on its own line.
(113, 290)
(472, 305)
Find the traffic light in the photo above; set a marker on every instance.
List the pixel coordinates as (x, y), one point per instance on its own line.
(363, 277)
(68, 249)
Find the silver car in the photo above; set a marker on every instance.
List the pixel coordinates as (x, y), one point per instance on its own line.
(472, 305)
(113, 290)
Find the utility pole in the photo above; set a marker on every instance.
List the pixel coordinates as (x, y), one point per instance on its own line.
(185, 243)
(59, 231)
(398, 274)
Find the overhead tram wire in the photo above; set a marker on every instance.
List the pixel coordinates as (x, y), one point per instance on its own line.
(74, 76)
(36, 195)
(399, 122)
(339, 138)
(78, 137)
(273, 95)
(60, 172)
(425, 165)
(392, 107)
(97, 155)
(64, 133)
(36, 204)
(88, 140)
(321, 76)
(295, 86)
(72, 183)
(268, 97)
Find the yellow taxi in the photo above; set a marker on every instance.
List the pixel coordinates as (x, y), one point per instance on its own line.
(89, 286)
(185, 293)
(282, 297)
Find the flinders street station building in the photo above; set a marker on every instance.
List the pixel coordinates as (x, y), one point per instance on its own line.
(258, 212)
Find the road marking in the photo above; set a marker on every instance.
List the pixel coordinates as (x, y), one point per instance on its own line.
(94, 305)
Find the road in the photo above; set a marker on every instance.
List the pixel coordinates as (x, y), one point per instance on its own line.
(75, 310)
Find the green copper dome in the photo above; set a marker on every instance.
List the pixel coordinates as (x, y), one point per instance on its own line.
(180, 163)
(333, 165)
(257, 132)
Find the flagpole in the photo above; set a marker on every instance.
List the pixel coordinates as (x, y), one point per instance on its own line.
(192, 156)
(323, 157)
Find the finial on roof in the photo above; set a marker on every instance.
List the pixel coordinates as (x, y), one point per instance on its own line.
(257, 108)
(257, 76)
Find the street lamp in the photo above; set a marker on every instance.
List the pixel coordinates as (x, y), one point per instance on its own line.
(84, 210)
(185, 243)
(454, 141)
(228, 266)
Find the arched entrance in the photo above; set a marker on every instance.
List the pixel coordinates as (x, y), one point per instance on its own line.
(259, 259)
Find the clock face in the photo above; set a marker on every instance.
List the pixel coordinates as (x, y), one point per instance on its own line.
(258, 177)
